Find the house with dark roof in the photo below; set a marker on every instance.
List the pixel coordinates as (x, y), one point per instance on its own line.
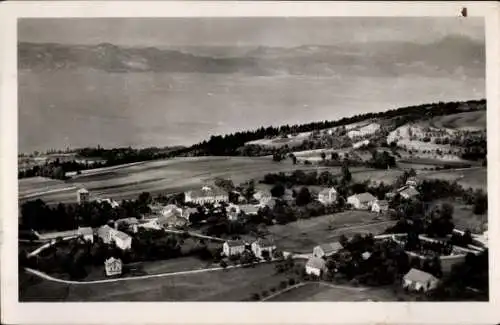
(327, 249)
(417, 280)
(233, 247)
(315, 266)
(362, 201)
(263, 245)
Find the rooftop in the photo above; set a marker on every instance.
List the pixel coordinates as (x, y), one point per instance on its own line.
(365, 197)
(410, 191)
(122, 235)
(316, 262)
(331, 247)
(235, 243)
(264, 242)
(326, 191)
(416, 275)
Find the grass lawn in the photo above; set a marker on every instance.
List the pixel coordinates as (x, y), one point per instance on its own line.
(464, 217)
(321, 292)
(227, 285)
(377, 175)
(470, 177)
(302, 235)
(168, 176)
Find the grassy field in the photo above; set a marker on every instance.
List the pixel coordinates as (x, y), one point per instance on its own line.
(467, 120)
(168, 176)
(31, 186)
(302, 235)
(321, 292)
(464, 217)
(228, 285)
(471, 177)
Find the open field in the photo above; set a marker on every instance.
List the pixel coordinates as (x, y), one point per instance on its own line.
(228, 285)
(326, 292)
(302, 235)
(377, 175)
(31, 186)
(278, 142)
(468, 177)
(464, 217)
(474, 120)
(169, 176)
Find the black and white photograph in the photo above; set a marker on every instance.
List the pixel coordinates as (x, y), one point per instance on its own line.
(252, 159)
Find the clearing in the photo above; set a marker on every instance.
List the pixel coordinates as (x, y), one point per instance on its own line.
(302, 235)
(330, 292)
(475, 178)
(225, 285)
(165, 176)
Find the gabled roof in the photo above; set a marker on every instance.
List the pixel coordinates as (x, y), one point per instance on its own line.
(364, 197)
(416, 275)
(327, 191)
(330, 247)
(82, 190)
(122, 235)
(235, 243)
(316, 262)
(410, 191)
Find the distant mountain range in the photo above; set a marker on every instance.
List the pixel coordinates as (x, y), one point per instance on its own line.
(454, 54)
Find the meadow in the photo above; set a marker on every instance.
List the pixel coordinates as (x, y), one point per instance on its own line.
(303, 235)
(475, 178)
(164, 176)
(224, 285)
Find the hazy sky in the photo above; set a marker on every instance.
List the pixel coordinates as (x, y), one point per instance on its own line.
(274, 31)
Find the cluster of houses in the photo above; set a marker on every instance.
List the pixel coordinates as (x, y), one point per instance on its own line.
(259, 247)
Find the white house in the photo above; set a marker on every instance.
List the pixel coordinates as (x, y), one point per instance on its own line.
(380, 206)
(82, 196)
(363, 201)
(207, 194)
(366, 255)
(249, 209)
(113, 266)
(87, 233)
(105, 233)
(326, 249)
(263, 245)
(417, 280)
(122, 240)
(233, 247)
(316, 266)
(328, 196)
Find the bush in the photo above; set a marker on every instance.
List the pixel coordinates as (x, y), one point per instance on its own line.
(283, 284)
(255, 297)
(291, 281)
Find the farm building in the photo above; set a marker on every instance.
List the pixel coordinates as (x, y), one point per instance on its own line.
(263, 245)
(417, 280)
(328, 196)
(129, 223)
(233, 247)
(207, 194)
(113, 266)
(326, 249)
(363, 201)
(380, 206)
(315, 266)
(82, 196)
(109, 235)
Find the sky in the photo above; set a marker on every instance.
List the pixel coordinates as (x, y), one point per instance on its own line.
(262, 31)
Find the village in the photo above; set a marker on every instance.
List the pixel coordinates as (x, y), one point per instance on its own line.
(230, 224)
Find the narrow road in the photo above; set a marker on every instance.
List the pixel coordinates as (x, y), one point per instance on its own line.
(142, 277)
(301, 284)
